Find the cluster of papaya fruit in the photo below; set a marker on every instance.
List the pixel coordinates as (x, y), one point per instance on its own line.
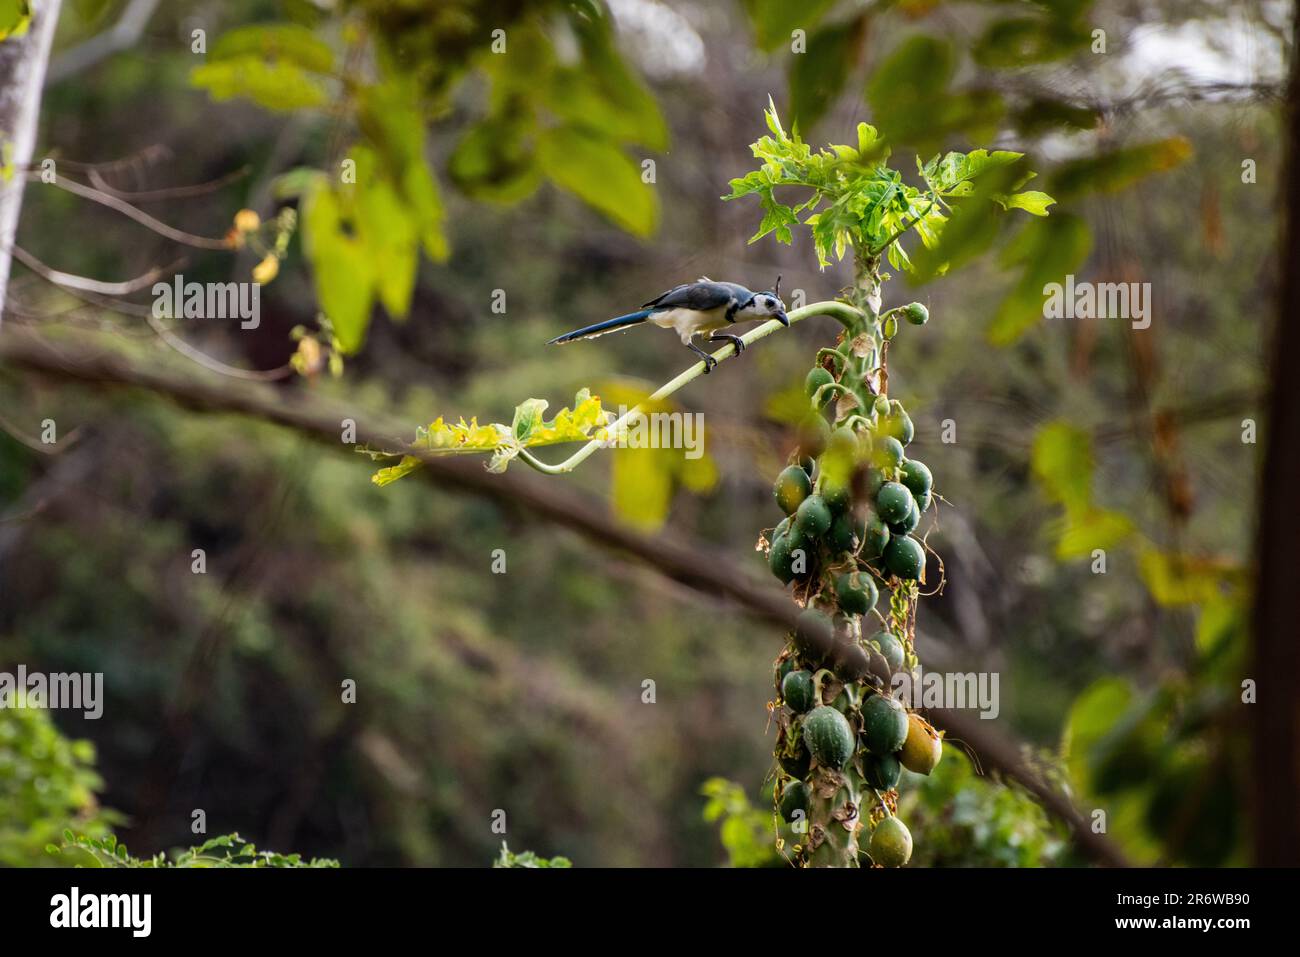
(840, 469)
(852, 500)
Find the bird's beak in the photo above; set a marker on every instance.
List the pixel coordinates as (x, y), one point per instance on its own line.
(782, 318)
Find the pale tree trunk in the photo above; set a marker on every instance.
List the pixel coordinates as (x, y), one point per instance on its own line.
(22, 74)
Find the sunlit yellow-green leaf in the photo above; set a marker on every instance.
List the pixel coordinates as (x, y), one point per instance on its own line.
(288, 42)
(387, 233)
(277, 85)
(391, 118)
(597, 172)
(642, 487)
(1084, 530)
(1178, 579)
(1031, 201)
(342, 269)
(1062, 463)
(392, 473)
(14, 18)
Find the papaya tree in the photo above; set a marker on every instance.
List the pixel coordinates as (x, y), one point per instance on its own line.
(854, 501)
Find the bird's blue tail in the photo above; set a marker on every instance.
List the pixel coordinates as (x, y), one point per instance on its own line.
(600, 328)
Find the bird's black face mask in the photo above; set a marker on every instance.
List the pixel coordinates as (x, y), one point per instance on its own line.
(769, 303)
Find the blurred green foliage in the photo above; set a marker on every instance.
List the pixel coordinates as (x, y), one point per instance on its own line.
(225, 850)
(747, 833)
(971, 821)
(47, 783)
(527, 859)
(562, 105)
(967, 821)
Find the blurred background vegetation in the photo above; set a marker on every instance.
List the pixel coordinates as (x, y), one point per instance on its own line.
(524, 171)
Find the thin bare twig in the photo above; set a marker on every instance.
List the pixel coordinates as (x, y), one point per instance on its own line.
(139, 215)
(122, 35)
(36, 445)
(84, 284)
(167, 192)
(215, 365)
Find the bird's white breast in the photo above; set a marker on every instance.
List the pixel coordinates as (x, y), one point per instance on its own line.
(690, 322)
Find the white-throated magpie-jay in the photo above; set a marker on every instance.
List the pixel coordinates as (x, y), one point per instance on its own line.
(693, 308)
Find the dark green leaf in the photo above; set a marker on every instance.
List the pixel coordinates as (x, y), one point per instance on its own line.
(818, 75)
(597, 172)
(1119, 169)
(1018, 41)
(775, 20)
(1047, 250)
(287, 42)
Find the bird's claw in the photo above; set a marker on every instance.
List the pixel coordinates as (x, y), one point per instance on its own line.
(710, 364)
(738, 342)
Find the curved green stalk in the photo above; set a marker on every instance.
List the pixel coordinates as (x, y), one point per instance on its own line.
(848, 316)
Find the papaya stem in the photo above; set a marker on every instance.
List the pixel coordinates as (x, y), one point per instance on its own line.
(846, 314)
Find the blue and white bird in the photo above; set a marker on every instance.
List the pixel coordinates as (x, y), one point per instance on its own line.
(693, 308)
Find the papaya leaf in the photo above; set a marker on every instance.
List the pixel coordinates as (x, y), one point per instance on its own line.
(654, 458)
(853, 200)
(642, 487)
(583, 422)
(528, 418)
(1043, 115)
(973, 225)
(1032, 201)
(912, 101)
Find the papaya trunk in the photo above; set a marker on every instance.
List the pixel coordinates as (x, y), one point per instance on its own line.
(834, 818)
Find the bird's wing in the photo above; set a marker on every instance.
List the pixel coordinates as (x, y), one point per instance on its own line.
(699, 296)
